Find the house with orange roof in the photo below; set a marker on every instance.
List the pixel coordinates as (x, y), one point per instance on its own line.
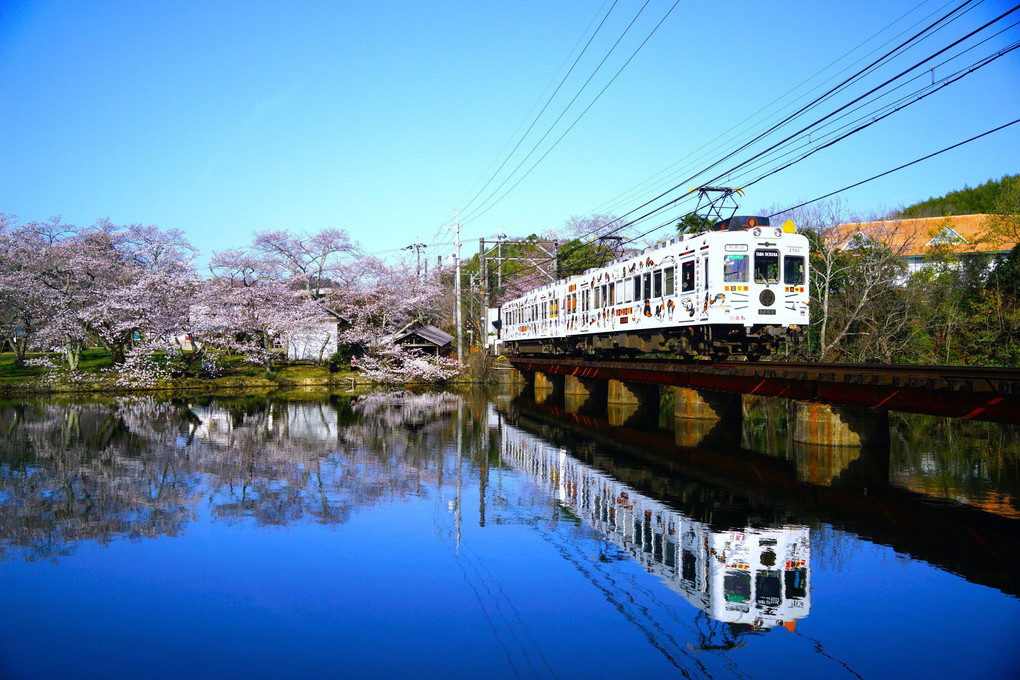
(915, 240)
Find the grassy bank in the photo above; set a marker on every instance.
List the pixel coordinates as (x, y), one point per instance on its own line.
(98, 374)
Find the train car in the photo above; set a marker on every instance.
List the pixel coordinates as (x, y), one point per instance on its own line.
(735, 290)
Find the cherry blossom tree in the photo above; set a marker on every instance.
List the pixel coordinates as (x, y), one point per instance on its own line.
(25, 307)
(246, 308)
(313, 259)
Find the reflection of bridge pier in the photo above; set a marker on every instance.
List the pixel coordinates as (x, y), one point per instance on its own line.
(706, 417)
(771, 474)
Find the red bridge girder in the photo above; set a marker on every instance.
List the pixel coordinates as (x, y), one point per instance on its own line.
(991, 394)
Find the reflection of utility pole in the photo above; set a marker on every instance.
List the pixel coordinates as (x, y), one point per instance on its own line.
(460, 330)
(417, 251)
(460, 456)
(456, 256)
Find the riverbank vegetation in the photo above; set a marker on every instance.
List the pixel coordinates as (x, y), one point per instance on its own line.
(127, 305)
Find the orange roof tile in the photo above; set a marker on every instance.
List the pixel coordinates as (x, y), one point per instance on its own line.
(913, 237)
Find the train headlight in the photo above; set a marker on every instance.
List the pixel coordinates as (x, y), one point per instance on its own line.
(757, 231)
(779, 233)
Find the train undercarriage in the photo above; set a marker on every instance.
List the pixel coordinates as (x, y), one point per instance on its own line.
(719, 342)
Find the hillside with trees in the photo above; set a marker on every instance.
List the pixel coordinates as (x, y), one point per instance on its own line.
(983, 199)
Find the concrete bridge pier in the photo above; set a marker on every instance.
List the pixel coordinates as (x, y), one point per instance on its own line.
(583, 395)
(703, 417)
(827, 424)
(512, 381)
(840, 445)
(548, 387)
(630, 403)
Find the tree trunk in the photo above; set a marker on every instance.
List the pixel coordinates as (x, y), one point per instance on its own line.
(20, 346)
(72, 353)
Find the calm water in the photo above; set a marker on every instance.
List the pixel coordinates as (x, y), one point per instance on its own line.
(449, 536)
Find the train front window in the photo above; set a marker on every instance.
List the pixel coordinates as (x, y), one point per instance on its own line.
(796, 583)
(793, 270)
(735, 268)
(768, 588)
(737, 586)
(766, 266)
(612, 294)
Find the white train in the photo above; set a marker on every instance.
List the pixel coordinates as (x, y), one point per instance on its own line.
(731, 291)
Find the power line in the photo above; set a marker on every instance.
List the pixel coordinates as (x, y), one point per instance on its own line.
(808, 127)
(577, 120)
(548, 101)
(900, 167)
(562, 113)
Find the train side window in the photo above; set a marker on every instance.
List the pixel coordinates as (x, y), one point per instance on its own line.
(647, 280)
(669, 273)
(793, 270)
(766, 266)
(735, 268)
(687, 276)
(637, 288)
(657, 283)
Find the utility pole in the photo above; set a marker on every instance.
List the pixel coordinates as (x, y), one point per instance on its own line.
(416, 247)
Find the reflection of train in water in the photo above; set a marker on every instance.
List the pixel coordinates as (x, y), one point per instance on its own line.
(756, 577)
(734, 290)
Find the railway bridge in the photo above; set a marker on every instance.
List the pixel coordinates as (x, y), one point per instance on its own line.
(834, 404)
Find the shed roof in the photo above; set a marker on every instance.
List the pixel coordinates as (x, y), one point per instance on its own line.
(430, 334)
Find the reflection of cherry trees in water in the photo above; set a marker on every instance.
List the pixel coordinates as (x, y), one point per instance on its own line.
(72, 472)
(137, 468)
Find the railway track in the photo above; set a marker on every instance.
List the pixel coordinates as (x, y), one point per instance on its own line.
(980, 393)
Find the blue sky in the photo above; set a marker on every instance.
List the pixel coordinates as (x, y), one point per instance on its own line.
(384, 118)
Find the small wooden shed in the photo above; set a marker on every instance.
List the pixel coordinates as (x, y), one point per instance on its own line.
(428, 339)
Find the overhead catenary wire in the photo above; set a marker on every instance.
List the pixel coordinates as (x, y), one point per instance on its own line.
(538, 116)
(899, 167)
(537, 144)
(733, 131)
(790, 137)
(779, 153)
(581, 115)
